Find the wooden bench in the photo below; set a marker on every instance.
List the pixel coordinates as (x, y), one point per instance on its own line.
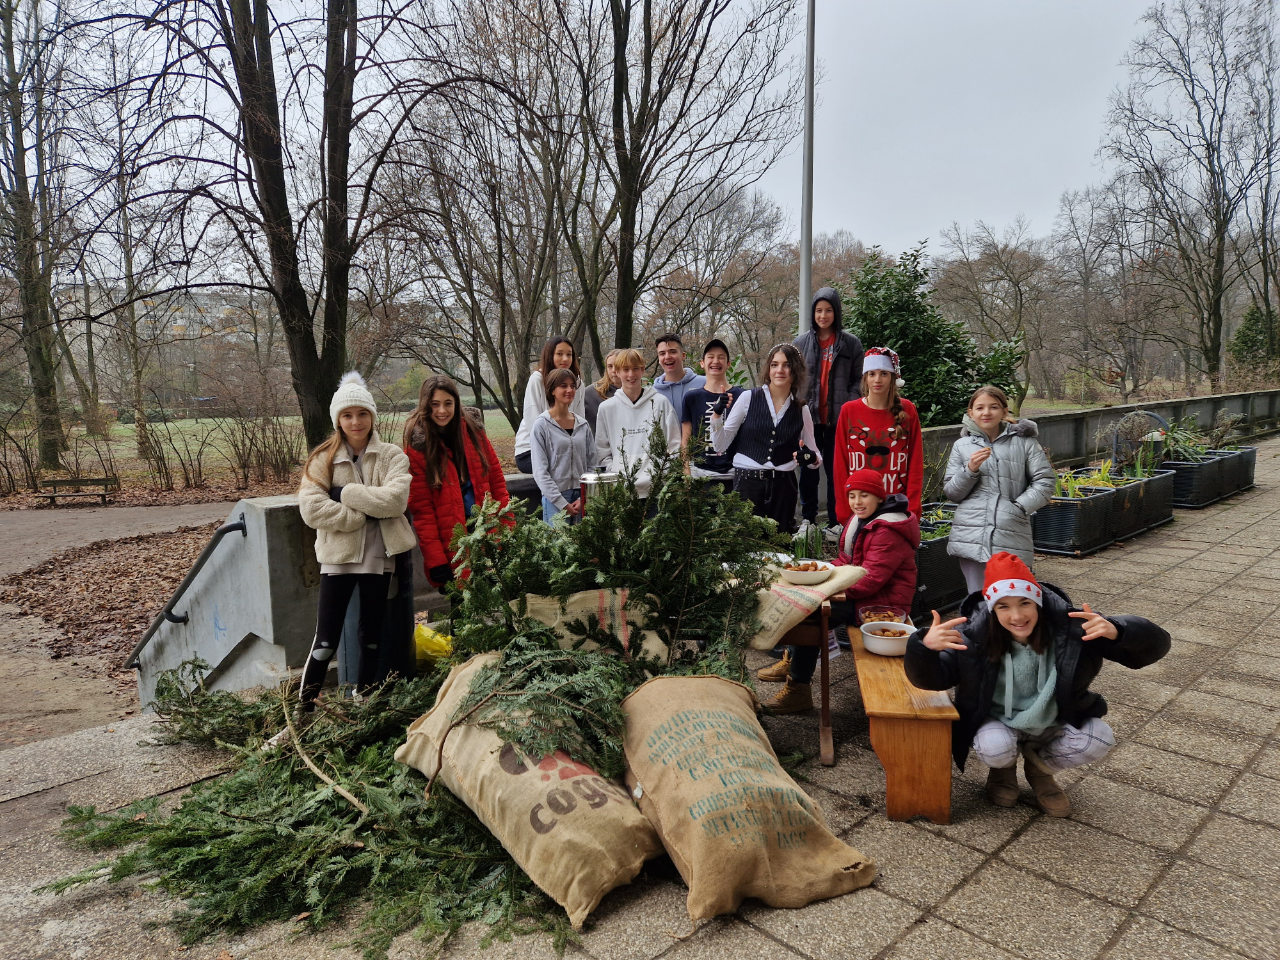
(108, 484)
(910, 733)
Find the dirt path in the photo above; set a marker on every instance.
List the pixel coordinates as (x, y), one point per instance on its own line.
(40, 697)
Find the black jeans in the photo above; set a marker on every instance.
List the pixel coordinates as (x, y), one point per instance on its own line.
(335, 594)
(804, 660)
(772, 495)
(825, 434)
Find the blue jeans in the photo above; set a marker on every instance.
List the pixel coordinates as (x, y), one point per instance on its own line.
(549, 509)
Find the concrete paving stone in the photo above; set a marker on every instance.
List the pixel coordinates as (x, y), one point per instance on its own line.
(1152, 609)
(1119, 684)
(1147, 939)
(1208, 708)
(1126, 719)
(1242, 847)
(1252, 550)
(1240, 589)
(1261, 645)
(1120, 808)
(1255, 798)
(728, 939)
(1267, 763)
(933, 939)
(857, 776)
(1239, 614)
(1030, 915)
(1196, 630)
(856, 926)
(1194, 740)
(1093, 862)
(466, 945)
(842, 813)
(1217, 560)
(638, 921)
(1252, 665)
(1185, 662)
(1225, 909)
(1167, 773)
(1259, 691)
(977, 822)
(914, 864)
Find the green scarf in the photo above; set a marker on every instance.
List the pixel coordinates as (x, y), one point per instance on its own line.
(1024, 689)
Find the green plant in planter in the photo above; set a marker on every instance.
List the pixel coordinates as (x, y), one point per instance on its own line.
(937, 532)
(1070, 487)
(1183, 440)
(1103, 476)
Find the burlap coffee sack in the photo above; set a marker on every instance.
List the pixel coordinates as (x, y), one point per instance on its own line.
(574, 833)
(610, 607)
(784, 604)
(734, 823)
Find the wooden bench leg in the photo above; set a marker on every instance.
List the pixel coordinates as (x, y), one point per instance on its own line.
(826, 745)
(916, 756)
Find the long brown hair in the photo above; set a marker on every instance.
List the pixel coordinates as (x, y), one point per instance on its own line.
(1000, 641)
(895, 401)
(547, 362)
(799, 372)
(434, 442)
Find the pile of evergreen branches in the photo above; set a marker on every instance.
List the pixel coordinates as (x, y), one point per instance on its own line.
(332, 819)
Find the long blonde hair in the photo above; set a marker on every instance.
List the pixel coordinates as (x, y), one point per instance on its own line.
(604, 384)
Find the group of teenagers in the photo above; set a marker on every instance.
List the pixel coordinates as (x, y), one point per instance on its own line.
(1020, 657)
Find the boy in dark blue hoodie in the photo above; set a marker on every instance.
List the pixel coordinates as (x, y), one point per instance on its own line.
(833, 358)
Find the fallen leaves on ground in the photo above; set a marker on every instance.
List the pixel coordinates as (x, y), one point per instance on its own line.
(104, 595)
(133, 494)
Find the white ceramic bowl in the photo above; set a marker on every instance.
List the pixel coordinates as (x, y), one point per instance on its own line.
(808, 577)
(886, 646)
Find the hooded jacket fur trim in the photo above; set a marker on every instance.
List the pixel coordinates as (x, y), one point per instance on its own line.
(381, 495)
(994, 505)
(1138, 643)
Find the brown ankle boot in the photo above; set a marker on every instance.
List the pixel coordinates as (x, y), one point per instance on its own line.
(1002, 785)
(1048, 794)
(776, 672)
(793, 698)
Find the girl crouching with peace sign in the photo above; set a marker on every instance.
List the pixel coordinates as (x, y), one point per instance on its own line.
(1021, 659)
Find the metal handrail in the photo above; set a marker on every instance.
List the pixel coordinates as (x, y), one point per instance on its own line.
(167, 613)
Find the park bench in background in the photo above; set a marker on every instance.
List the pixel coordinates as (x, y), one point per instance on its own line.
(53, 489)
(910, 733)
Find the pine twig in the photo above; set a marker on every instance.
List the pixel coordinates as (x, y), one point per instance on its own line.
(338, 788)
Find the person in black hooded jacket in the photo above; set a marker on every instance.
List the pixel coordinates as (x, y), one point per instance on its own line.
(1021, 659)
(833, 359)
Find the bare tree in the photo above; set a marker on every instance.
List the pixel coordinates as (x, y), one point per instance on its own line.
(1184, 129)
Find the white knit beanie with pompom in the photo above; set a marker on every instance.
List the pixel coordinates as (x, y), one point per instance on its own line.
(351, 393)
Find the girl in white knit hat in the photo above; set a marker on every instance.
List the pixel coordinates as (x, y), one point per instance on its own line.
(354, 492)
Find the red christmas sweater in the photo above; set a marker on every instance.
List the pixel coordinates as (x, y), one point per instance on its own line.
(870, 439)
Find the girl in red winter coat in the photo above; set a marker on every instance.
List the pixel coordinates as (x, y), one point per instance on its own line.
(452, 466)
(882, 536)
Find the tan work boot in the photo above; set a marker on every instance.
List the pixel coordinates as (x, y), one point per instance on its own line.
(1002, 785)
(1048, 794)
(793, 698)
(776, 672)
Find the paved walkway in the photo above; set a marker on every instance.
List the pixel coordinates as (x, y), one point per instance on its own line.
(1173, 849)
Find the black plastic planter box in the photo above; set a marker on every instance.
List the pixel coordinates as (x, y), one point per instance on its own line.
(939, 582)
(1157, 499)
(1140, 503)
(1238, 468)
(1197, 483)
(1075, 526)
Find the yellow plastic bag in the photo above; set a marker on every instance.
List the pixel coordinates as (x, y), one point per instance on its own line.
(430, 645)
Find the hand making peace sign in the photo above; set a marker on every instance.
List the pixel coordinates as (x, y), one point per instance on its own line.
(1095, 624)
(945, 636)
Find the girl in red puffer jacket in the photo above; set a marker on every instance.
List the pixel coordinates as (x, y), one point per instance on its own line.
(452, 466)
(881, 537)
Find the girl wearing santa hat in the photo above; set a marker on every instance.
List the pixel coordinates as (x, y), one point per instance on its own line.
(881, 432)
(1021, 658)
(882, 538)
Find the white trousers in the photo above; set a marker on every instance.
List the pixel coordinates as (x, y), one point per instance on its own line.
(1061, 747)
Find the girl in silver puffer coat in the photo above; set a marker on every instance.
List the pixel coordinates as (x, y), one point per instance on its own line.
(998, 475)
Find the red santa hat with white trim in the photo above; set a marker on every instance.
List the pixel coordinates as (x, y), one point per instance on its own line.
(884, 358)
(1008, 576)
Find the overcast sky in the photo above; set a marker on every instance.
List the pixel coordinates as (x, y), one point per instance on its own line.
(934, 111)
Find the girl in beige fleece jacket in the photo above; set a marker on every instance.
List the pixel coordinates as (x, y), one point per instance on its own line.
(354, 492)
